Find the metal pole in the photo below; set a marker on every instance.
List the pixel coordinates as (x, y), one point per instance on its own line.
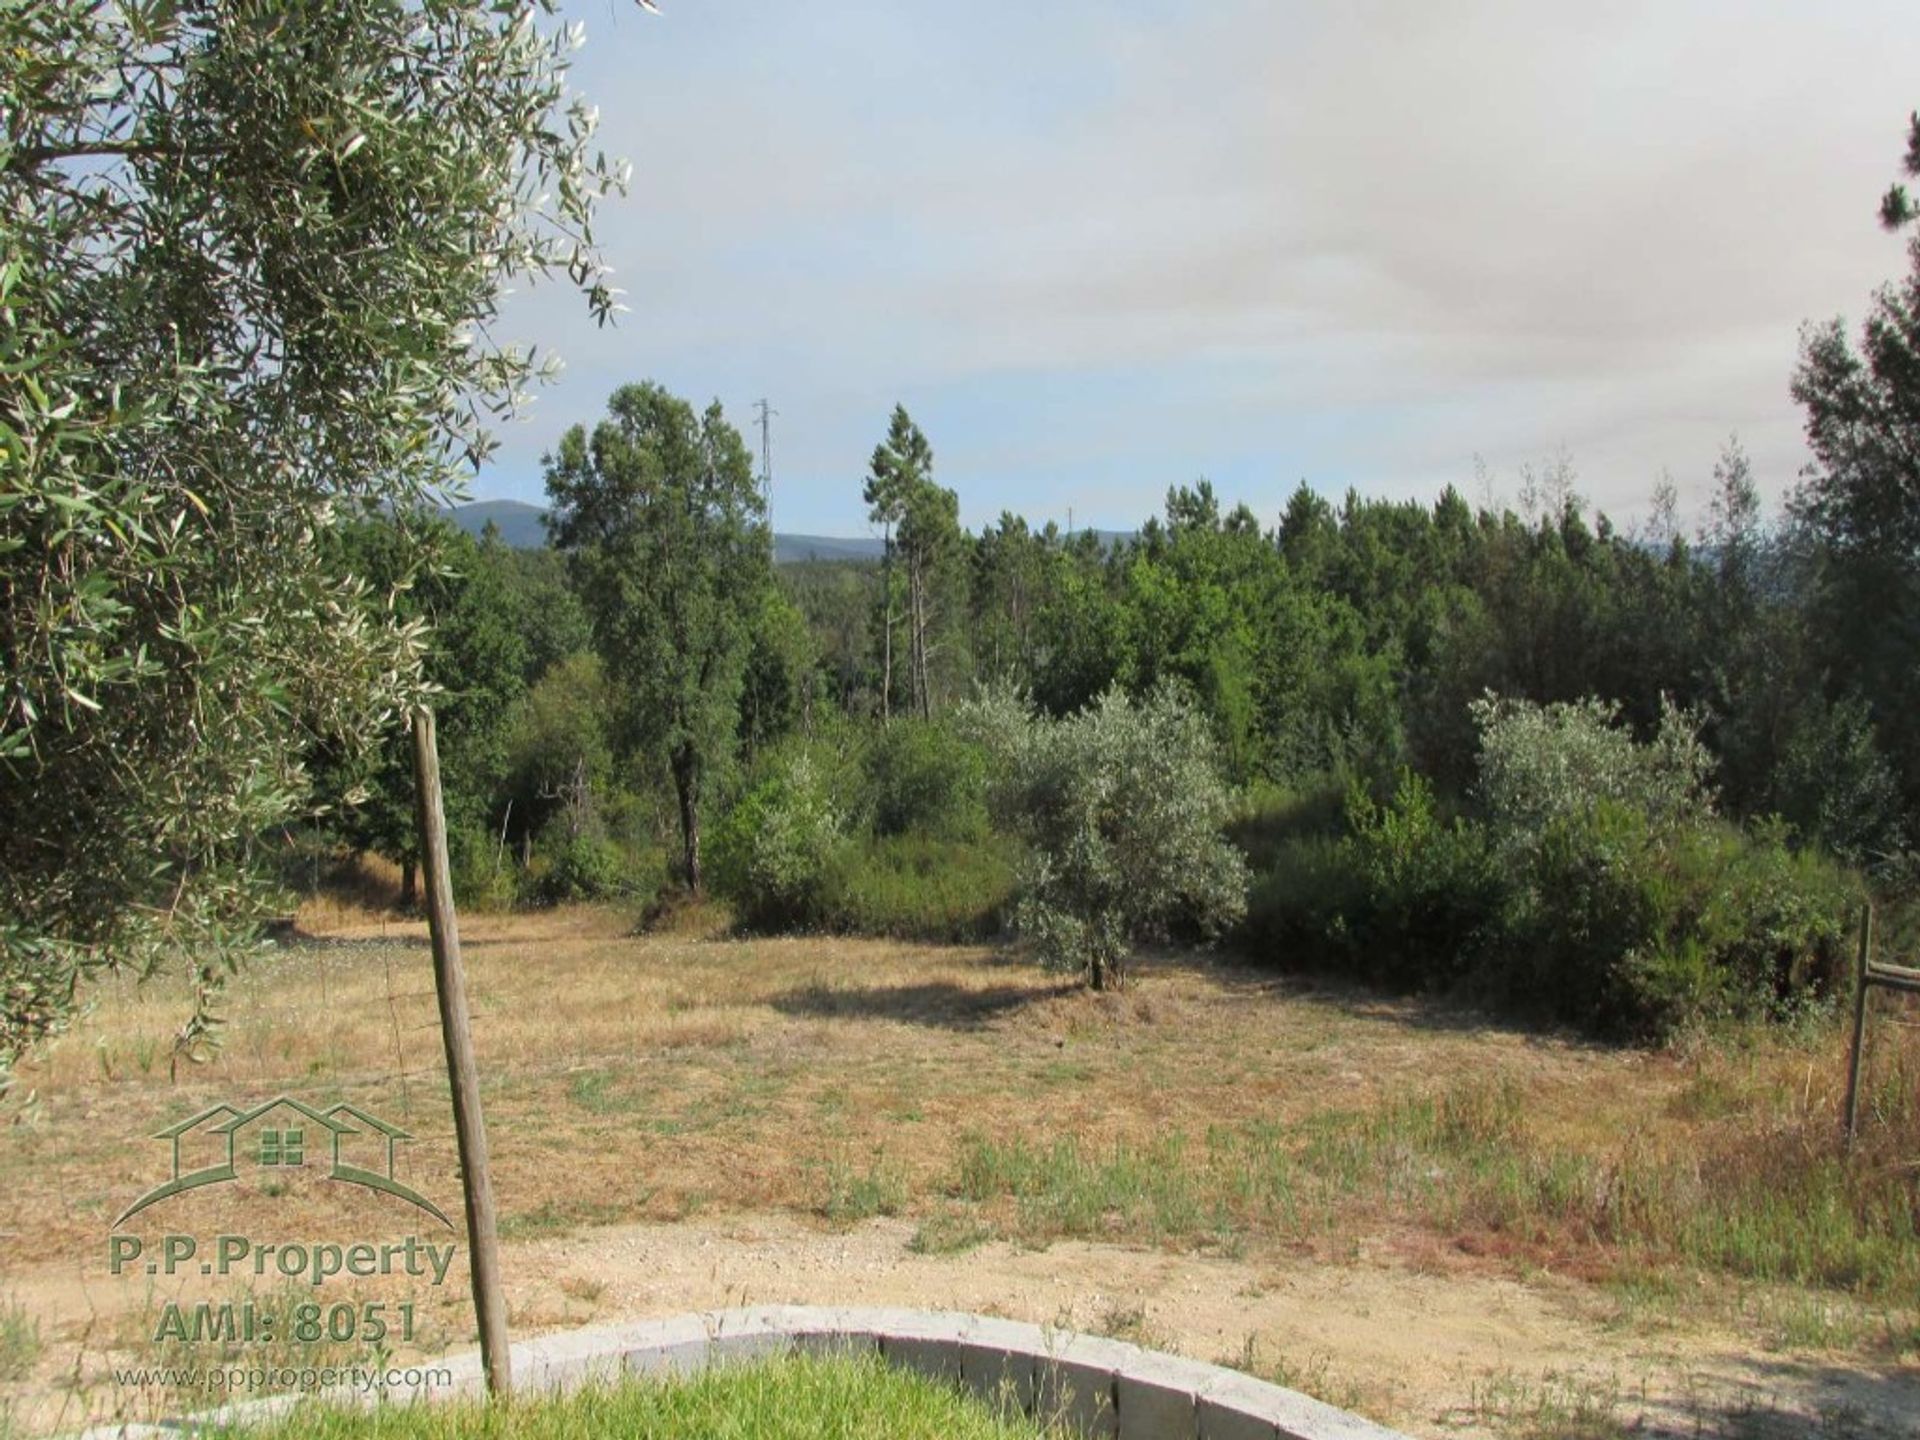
(767, 412)
(1859, 1022)
(450, 981)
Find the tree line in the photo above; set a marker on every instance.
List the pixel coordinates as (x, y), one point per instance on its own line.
(1347, 639)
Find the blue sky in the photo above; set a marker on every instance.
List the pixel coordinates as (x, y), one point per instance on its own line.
(1099, 249)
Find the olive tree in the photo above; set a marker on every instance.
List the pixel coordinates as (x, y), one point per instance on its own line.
(1542, 763)
(1122, 807)
(251, 254)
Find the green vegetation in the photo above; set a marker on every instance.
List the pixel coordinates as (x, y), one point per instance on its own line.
(1121, 808)
(665, 535)
(796, 1398)
(19, 1341)
(190, 406)
(1523, 758)
(1778, 1204)
(1621, 782)
(861, 1193)
(1590, 883)
(1637, 784)
(875, 834)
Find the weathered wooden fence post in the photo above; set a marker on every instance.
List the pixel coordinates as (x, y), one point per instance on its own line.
(1859, 1022)
(1887, 977)
(450, 982)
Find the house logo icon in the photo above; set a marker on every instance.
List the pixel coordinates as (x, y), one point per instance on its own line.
(277, 1136)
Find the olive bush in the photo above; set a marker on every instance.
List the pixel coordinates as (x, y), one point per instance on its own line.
(1122, 808)
(774, 851)
(1542, 764)
(251, 261)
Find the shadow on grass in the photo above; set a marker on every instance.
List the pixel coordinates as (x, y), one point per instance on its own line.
(940, 1004)
(1791, 1398)
(1363, 999)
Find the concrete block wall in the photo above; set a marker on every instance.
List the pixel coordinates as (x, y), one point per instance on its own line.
(1093, 1386)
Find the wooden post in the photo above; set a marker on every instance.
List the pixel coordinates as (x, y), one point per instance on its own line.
(1859, 1023)
(450, 981)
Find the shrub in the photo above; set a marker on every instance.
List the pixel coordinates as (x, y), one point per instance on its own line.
(1587, 911)
(1541, 763)
(917, 887)
(927, 779)
(1122, 807)
(772, 854)
(1424, 890)
(1598, 890)
(1777, 922)
(1300, 905)
(1267, 817)
(582, 867)
(482, 880)
(559, 755)
(1632, 912)
(1835, 785)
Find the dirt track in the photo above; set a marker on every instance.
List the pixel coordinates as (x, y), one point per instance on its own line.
(1435, 1350)
(1435, 1353)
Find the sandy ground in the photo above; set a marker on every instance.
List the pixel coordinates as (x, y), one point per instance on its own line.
(1434, 1351)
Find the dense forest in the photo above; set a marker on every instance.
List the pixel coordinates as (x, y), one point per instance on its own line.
(1632, 780)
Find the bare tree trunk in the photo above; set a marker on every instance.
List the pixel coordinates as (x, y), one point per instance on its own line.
(926, 670)
(409, 884)
(886, 643)
(917, 602)
(913, 632)
(686, 784)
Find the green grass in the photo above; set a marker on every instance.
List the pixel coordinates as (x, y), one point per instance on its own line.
(19, 1340)
(1155, 1191)
(949, 1232)
(1780, 1206)
(853, 1194)
(593, 1091)
(1555, 1407)
(551, 1218)
(916, 887)
(788, 1399)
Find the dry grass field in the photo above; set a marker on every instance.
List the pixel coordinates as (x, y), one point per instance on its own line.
(1456, 1227)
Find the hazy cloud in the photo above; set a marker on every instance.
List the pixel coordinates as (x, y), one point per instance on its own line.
(1099, 249)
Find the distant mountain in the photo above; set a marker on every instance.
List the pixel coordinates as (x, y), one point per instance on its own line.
(521, 526)
(788, 549)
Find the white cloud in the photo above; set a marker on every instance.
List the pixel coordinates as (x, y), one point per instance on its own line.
(1498, 227)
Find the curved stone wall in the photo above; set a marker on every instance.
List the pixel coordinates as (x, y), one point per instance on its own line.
(1097, 1387)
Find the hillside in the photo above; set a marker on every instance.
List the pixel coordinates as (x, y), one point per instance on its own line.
(521, 527)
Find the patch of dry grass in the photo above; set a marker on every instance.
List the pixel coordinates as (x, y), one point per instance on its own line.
(631, 1077)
